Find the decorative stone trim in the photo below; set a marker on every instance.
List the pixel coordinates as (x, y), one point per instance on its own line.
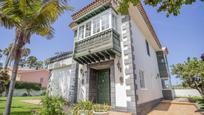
(109, 64)
(129, 67)
(74, 83)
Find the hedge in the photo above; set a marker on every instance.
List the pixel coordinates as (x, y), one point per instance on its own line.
(26, 85)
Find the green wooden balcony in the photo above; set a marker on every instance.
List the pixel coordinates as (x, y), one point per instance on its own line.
(99, 47)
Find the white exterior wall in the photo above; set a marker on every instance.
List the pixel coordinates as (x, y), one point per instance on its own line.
(148, 64)
(120, 88)
(59, 81)
(82, 92)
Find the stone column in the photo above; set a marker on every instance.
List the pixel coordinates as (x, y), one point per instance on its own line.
(112, 86)
(73, 83)
(128, 59)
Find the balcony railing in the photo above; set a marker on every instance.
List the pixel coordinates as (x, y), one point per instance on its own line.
(101, 46)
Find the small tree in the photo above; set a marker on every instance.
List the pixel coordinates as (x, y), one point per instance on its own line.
(25, 53)
(39, 65)
(167, 6)
(202, 56)
(31, 61)
(191, 73)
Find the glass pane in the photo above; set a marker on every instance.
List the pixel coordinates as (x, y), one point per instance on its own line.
(81, 32)
(88, 29)
(114, 22)
(105, 21)
(96, 25)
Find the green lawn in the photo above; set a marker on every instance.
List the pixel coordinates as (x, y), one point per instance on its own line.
(18, 107)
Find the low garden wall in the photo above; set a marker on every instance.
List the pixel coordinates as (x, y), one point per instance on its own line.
(23, 92)
(186, 93)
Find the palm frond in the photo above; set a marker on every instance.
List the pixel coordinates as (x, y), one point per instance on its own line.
(45, 31)
(6, 21)
(50, 11)
(9, 14)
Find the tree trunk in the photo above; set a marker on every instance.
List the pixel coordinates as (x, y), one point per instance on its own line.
(17, 55)
(12, 86)
(8, 59)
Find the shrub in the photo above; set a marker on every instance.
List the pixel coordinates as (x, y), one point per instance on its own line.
(83, 106)
(4, 80)
(87, 108)
(52, 106)
(194, 99)
(25, 94)
(101, 108)
(26, 85)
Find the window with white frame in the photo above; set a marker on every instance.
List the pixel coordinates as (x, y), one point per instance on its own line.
(88, 29)
(81, 32)
(142, 79)
(96, 25)
(105, 22)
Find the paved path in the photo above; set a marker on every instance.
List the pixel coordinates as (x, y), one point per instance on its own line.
(118, 113)
(33, 101)
(174, 108)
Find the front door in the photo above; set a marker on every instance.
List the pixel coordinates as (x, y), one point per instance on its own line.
(103, 86)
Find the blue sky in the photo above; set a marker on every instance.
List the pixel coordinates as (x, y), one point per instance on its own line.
(183, 34)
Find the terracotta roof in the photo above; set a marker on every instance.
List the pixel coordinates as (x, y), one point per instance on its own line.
(72, 24)
(27, 70)
(89, 7)
(97, 3)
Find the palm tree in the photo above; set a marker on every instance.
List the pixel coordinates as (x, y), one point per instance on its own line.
(25, 54)
(31, 61)
(39, 65)
(28, 17)
(6, 52)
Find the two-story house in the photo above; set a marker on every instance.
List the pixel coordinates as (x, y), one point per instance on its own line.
(117, 59)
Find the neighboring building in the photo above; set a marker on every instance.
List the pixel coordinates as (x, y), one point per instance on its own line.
(116, 60)
(32, 76)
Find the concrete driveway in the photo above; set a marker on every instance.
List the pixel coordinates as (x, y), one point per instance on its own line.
(175, 108)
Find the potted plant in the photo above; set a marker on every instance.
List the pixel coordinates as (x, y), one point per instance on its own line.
(101, 109)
